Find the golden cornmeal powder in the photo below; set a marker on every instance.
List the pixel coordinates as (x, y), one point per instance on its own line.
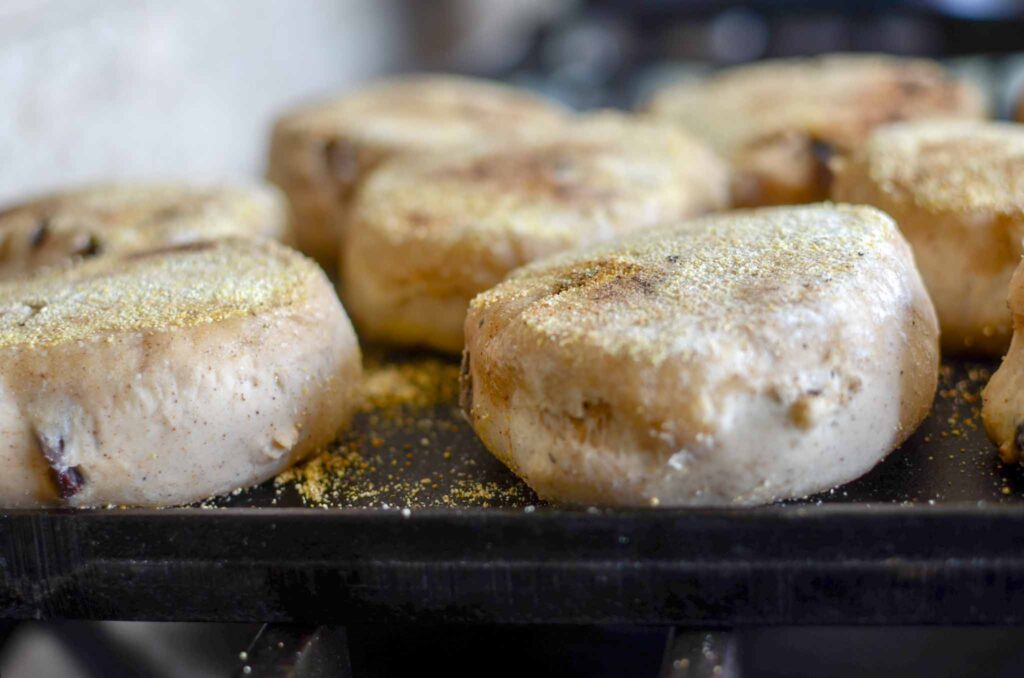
(674, 291)
(419, 384)
(408, 448)
(200, 283)
(966, 394)
(963, 168)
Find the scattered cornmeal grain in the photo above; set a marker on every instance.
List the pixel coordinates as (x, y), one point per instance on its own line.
(421, 384)
(376, 465)
(314, 479)
(382, 462)
(966, 395)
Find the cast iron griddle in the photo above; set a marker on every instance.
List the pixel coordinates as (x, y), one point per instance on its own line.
(429, 457)
(419, 523)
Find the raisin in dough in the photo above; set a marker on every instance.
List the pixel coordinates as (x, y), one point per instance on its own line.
(730, 360)
(957, 191)
(779, 122)
(159, 378)
(429, 232)
(61, 228)
(320, 153)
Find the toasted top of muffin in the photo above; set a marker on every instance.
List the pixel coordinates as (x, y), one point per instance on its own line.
(949, 166)
(180, 286)
(55, 229)
(754, 276)
(837, 99)
(422, 112)
(611, 171)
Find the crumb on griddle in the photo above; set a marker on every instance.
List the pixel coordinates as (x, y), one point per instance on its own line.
(420, 384)
(399, 451)
(966, 394)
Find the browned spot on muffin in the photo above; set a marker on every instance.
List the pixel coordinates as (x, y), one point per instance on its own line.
(552, 170)
(177, 211)
(639, 283)
(486, 109)
(417, 218)
(197, 246)
(910, 87)
(909, 94)
(610, 280)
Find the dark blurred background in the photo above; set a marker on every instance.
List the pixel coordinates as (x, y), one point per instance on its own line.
(100, 89)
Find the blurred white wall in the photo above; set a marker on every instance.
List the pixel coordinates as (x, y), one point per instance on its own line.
(106, 89)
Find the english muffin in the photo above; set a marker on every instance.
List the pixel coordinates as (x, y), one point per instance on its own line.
(734, 359)
(779, 122)
(957, 191)
(427, 233)
(320, 153)
(60, 228)
(163, 377)
(1003, 397)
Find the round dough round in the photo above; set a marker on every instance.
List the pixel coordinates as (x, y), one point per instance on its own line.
(320, 153)
(779, 122)
(58, 229)
(957, 191)
(160, 378)
(729, 360)
(428, 233)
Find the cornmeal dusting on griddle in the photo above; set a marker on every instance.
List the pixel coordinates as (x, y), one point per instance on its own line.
(966, 395)
(728, 273)
(313, 480)
(399, 452)
(198, 283)
(417, 384)
(951, 166)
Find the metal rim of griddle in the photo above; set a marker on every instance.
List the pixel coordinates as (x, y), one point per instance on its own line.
(832, 564)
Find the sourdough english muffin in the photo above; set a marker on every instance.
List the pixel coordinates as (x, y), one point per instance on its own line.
(429, 232)
(734, 359)
(1003, 398)
(957, 191)
(57, 229)
(320, 153)
(779, 122)
(163, 377)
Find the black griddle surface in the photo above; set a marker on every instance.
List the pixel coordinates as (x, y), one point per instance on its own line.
(947, 460)
(421, 524)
